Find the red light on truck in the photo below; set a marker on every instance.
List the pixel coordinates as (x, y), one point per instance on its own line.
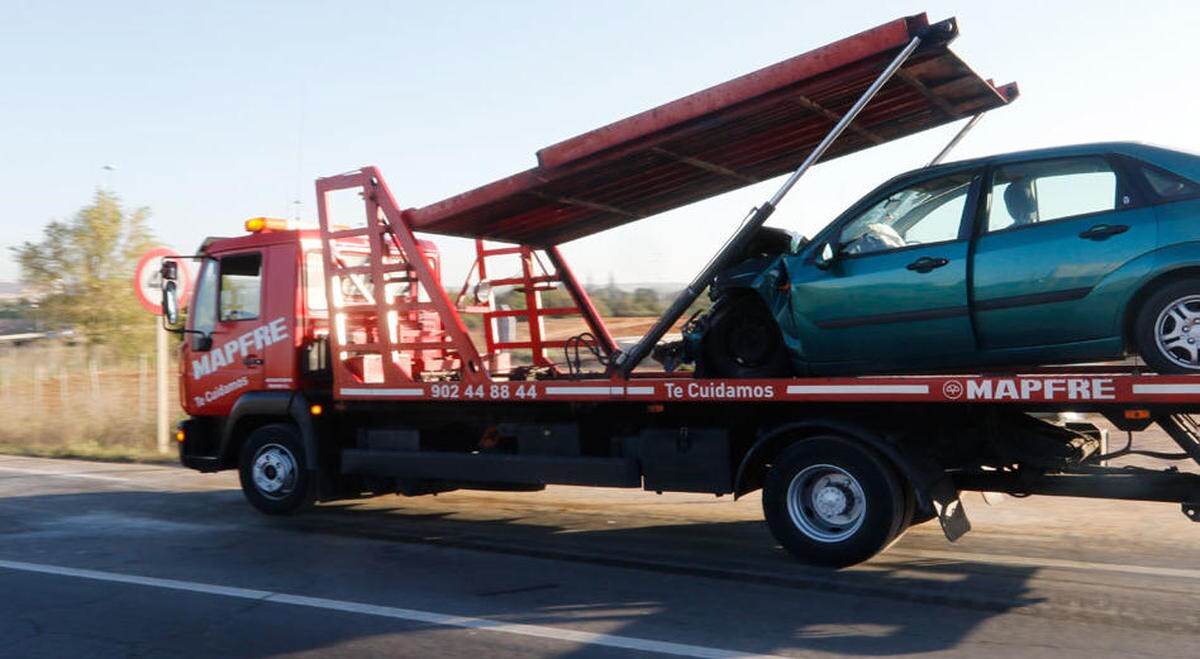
(1137, 414)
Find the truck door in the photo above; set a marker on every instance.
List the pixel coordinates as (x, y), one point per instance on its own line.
(242, 339)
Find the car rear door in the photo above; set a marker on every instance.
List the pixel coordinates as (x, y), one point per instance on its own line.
(1055, 229)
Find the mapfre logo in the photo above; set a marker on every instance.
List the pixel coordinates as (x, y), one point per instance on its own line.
(953, 389)
(1031, 388)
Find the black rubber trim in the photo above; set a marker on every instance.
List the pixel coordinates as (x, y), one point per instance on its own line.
(899, 317)
(1065, 295)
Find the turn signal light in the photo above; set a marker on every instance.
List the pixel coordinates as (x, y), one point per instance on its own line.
(257, 224)
(179, 436)
(316, 410)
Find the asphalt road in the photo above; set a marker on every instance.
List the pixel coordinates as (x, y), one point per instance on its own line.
(110, 560)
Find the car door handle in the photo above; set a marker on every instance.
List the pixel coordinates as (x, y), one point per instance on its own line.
(1103, 231)
(926, 263)
(253, 361)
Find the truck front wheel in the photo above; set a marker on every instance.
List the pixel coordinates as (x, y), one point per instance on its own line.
(833, 502)
(274, 478)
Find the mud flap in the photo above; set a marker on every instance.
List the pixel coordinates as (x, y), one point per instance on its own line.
(949, 509)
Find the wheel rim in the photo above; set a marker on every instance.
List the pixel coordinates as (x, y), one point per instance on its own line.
(1177, 331)
(274, 471)
(826, 503)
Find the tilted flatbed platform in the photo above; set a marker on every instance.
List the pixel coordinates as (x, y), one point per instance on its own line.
(747, 130)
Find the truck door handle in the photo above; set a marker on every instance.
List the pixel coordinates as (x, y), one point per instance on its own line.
(1103, 231)
(253, 361)
(925, 264)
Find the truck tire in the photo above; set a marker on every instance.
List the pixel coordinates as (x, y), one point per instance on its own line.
(271, 467)
(833, 502)
(743, 341)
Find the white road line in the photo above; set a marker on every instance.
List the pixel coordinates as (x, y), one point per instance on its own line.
(412, 615)
(64, 474)
(1029, 561)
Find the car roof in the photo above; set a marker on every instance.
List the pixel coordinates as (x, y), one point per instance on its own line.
(1135, 149)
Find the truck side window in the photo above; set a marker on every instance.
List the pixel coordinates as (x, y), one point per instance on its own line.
(204, 306)
(241, 287)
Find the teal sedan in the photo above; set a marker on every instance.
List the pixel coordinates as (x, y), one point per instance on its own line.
(1055, 256)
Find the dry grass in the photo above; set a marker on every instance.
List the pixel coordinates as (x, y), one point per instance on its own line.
(56, 400)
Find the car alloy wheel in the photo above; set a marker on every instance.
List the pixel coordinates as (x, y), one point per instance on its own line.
(1177, 331)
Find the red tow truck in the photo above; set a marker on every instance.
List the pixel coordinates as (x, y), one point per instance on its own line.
(331, 362)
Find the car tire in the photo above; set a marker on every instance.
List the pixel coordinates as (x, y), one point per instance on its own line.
(833, 502)
(272, 469)
(743, 341)
(1167, 328)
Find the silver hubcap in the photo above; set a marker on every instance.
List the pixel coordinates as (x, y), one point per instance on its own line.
(826, 503)
(1177, 329)
(274, 471)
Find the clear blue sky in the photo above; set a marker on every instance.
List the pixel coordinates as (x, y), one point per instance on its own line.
(210, 113)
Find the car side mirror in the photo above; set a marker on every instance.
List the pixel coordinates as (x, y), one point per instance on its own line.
(825, 256)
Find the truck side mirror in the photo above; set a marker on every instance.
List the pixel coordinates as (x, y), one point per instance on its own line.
(169, 271)
(825, 256)
(170, 301)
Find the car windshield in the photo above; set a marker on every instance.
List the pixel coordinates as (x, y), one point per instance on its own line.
(929, 211)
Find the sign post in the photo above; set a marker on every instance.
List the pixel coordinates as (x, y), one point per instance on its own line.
(147, 284)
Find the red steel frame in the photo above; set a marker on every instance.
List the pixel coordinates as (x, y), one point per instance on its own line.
(388, 237)
(535, 277)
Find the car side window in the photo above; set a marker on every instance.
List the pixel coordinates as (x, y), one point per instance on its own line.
(927, 212)
(241, 287)
(1167, 185)
(1028, 193)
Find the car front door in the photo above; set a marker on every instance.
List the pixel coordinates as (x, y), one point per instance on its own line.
(1055, 229)
(894, 295)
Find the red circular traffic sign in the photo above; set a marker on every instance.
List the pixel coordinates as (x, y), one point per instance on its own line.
(147, 279)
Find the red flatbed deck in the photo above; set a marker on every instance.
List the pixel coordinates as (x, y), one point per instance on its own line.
(1055, 389)
(746, 130)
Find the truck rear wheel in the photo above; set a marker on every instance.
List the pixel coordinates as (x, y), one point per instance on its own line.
(833, 502)
(272, 470)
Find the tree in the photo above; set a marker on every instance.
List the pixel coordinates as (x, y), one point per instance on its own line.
(82, 270)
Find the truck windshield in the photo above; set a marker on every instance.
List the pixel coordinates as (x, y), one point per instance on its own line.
(204, 305)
